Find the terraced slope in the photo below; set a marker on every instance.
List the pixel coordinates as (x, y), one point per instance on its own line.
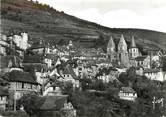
(44, 22)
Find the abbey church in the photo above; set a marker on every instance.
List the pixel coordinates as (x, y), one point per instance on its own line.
(123, 55)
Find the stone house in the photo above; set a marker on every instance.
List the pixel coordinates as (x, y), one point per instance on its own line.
(109, 77)
(68, 75)
(21, 83)
(155, 74)
(143, 61)
(127, 93)
(3, 98)
(52, 89)
(50, 60)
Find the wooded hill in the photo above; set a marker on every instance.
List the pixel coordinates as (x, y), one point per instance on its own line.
(43, 22)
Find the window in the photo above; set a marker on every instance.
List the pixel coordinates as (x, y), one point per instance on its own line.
(22, 85)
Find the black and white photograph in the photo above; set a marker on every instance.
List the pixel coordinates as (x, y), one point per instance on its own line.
(82, 58)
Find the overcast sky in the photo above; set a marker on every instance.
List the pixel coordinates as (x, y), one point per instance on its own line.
(146, 14)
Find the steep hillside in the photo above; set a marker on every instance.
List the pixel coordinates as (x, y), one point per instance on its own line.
(44, 22)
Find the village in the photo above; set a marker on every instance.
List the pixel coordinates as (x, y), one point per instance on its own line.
(45, 69)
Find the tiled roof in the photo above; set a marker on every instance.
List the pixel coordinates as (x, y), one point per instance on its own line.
(51, 56)
(133, 45)
(20, 76)
(56, 83)
(36, 66)
(55, 103)
(65, 71)
(113, 69)
(69, 70)
(141, 58)
(3, 81)
(151, 70)
(139, 67)
(127, 90)
(37, 45)
(33, 58)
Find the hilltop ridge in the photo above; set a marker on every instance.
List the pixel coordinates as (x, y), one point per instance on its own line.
(43, 22)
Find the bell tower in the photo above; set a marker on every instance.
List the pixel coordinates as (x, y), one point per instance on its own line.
(111, 54)
(133, 50)
(122, 52)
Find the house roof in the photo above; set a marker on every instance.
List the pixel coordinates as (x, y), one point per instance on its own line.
(56, 84)
(3, 81)
(139, 67)
(65, 71)
(37, 45)
(37, 58)
(36, 66)
(140, 58)
(52, 56)
(113, 69)
(127, 90)
(3, 92)
(133, 45)
(151, 70)
(53, 103)
(69, 70)
(20, 76)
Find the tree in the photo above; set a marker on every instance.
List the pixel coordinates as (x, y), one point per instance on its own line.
(3, 12)
(99, 42)
(112, 93)
(99, 85)
(85, 83)
(131, 72)
(155, 64)
(123, 78)
(67, 88)
(73, 63)
(164, 63)
(31, 103)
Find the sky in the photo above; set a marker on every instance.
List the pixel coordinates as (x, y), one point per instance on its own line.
(144, 14)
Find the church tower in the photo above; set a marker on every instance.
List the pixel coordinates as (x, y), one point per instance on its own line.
(111, 50)
(70, 45)
(122, 52)
(133, 50)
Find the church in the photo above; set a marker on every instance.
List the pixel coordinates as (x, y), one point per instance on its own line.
(124, 56)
